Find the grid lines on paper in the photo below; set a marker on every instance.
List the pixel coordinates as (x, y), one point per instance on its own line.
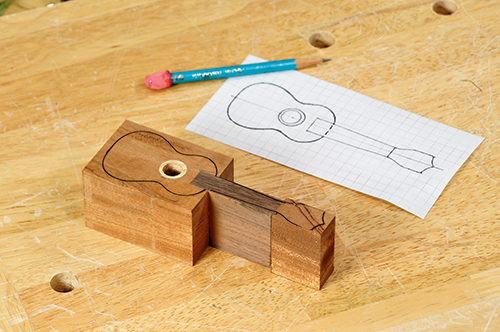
(372, 147)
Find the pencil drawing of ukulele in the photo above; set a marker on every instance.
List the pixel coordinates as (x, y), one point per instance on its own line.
(303, 122)
(146, 157)
(158, 162)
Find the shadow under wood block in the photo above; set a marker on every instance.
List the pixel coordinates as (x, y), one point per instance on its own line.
(137, 188)
(296, 240)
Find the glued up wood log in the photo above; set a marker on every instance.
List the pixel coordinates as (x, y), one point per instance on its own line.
(302, 244)
(137, 188)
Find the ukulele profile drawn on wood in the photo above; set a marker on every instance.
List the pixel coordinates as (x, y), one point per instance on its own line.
(171, 170)
(177, 198)
(147, 160)
(303, 122)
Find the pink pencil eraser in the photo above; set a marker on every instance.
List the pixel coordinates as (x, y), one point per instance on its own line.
(158, 81)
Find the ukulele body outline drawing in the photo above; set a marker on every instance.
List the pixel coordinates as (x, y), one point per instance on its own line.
(148, 164)
(338, 135)
(128, 138)
(307, 123)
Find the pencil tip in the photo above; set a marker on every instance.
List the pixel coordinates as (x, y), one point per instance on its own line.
(326, 60)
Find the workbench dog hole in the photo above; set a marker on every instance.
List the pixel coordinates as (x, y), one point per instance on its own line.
(321, 39)
(173, 169)
(64, 282)
(444, 7)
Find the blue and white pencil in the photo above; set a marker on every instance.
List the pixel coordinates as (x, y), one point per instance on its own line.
(166, 79)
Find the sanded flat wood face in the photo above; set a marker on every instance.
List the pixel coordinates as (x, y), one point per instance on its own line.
(302, 244)
(236, 191)
(305, 216)
(295, 239)
(240, 228)
(240, 218)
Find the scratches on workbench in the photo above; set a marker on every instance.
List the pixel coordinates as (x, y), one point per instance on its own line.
(21, 202)
(356, 255)
(9, 299)
(114, 71)
(480, 169)
(303, 310)
(478, 316)
(400, 284)
(203, 291)
(190, 20)
(51, 307)
(262, 301)
(52, 61)
(25, 118)
(70, 203)
(235, 308)
(476, 21)
(276, 194)
(77, 173)
(93, 261)
(491, 317)
(480, 54)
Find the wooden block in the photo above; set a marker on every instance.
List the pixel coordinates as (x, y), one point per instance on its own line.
(296, 240)
(302, 244)
(137, 188)
(240, 218)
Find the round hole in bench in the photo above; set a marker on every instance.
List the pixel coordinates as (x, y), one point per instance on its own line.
(64, 282)
(444, 7)
(321, 39)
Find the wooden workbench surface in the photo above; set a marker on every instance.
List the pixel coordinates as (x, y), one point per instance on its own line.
(72, 73)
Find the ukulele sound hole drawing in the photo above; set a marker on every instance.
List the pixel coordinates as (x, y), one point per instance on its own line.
(303, 122)
(338, 135)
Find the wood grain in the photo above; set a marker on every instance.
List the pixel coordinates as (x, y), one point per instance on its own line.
(71, 74)
(235, 191)
(302, 244)
(296, 240)
(240, 218)
(132, 192)
(14, 316)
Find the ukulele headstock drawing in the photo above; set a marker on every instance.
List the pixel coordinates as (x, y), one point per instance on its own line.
(302, 122)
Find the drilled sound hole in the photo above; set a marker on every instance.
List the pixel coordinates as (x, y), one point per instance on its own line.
(173, 169)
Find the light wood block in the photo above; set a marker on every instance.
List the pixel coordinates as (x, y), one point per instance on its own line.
(131, 194)
(302, 244)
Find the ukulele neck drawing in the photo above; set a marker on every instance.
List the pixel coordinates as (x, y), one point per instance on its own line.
(307, 123)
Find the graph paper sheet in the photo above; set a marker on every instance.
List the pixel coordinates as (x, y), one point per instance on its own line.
(338, 135)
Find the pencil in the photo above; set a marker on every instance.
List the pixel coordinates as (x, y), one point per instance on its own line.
(165, 79)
